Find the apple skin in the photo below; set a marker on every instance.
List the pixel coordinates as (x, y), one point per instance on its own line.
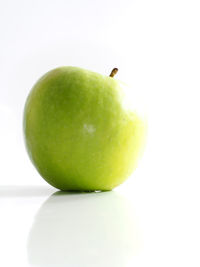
(77, 132)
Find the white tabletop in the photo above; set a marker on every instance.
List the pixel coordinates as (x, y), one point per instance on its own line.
(41, 226)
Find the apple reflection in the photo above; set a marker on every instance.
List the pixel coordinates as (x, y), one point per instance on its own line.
(83, 230)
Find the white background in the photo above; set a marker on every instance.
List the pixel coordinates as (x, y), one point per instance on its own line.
(156, 46)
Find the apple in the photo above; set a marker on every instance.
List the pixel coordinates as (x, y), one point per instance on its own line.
(78, 133)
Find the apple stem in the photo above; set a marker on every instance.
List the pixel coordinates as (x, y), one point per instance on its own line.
(113, 72)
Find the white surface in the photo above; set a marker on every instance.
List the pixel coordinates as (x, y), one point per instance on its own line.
(155, 45)
(144, 226)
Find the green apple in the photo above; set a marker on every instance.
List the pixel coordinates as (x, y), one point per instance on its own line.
(77, 131)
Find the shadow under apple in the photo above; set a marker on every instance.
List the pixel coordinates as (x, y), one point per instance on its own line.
(83, 230)
(13, 191)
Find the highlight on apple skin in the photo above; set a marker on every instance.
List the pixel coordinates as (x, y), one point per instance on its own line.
(78, 133)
